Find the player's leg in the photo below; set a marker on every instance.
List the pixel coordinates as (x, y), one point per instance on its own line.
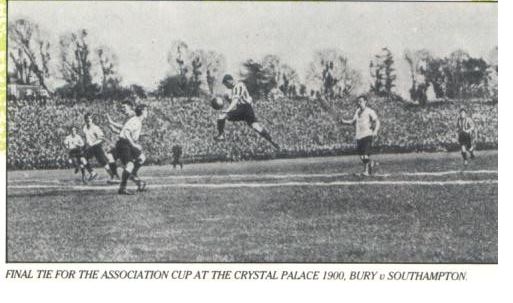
(101, 157)
(464, 154)
(125, 156)
(361, 146)
(111, 159)
(251, 120)
(264, 133)
(221, 121)
(89, 154)
(470, 148)
(83, 163)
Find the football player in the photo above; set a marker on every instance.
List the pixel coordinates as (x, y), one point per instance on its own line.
(94, 139)
(240, 109)
(367, 125)
(466, 128)
(74, 144)
(130, 151)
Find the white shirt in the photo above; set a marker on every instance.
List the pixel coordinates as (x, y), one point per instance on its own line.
(132, 129)
(72, 142)
(240, 93)
(364, 122)
(93, 135)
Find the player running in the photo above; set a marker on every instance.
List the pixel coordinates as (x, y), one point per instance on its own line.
(466, 128)
(74, 144)
(130, 151)
(367, 125)
(240, 109)
(94, 140)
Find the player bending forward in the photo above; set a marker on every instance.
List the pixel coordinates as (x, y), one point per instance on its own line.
(75, 145)
(129, 150)
(240, 109)
(367, 125)
(466, 128)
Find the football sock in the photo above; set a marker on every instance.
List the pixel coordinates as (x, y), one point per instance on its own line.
(114, 169)
(266, 135)
(89, 168)
(220, 126)
(464, 154)
(124, 179)
(133, 175)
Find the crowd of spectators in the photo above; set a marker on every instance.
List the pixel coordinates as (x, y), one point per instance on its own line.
(36, 133)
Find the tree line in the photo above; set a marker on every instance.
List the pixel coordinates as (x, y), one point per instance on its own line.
(89, 72)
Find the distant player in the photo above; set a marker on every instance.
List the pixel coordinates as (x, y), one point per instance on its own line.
(94, 141)
(130, 151)
(367, 125)
(177, 154)
(466, 128)
(240, 109)
(74, 144)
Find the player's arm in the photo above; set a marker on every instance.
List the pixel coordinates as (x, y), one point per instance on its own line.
(128, 135)
(233, 104)
(113, 125)
(377, 124)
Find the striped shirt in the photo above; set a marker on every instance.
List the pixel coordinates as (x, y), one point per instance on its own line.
(240, 93)
(72, 142)
(93, 135)
(465, 125)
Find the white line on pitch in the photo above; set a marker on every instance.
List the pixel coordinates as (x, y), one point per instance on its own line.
(257, 185)
(284, 176)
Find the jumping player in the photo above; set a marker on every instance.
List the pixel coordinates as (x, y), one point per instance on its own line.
(130, 151)
(367, 125)
(74, 144)
(466, 128)
(94, 140)
(240, 109)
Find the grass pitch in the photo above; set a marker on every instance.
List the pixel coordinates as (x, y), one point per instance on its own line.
(420, 208)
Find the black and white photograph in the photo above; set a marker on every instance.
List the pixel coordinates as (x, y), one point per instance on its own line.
(252, 132)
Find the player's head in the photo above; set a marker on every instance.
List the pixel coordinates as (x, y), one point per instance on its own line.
(73, 130)
(463, 113)
(141, 110)
(127, 107)
(228, 81)
(88, 118)
(361, 101)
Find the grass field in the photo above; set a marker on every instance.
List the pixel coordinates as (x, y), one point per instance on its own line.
(419, 208)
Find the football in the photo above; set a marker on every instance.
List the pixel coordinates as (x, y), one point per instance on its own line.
(217, 103)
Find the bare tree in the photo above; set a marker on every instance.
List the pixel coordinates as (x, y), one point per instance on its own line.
(331, 73)
(29, 51)
(108, 63)
(75, 65)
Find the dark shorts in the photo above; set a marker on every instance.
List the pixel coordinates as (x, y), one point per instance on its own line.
(97, 152)
(76, 153)
(465, 139)
(243, 112)
(363, 145)
(125, 152)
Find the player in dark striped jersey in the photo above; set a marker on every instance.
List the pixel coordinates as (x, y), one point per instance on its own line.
(466, 129)
(240, 109)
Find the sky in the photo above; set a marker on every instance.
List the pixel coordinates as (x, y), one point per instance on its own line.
(141, 33)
